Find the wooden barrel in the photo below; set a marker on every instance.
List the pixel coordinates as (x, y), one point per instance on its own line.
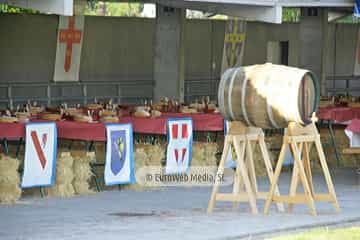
(268, 95)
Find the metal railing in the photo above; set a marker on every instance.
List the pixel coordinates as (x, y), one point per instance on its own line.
(12, 94)
(51, 93)
(343, 84)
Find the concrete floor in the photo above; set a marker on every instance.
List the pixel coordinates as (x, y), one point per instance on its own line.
(172, 213)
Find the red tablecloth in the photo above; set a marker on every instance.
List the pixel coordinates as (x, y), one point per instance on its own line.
(338, 114)
(96, 131)
(12, 130)
(354, 126)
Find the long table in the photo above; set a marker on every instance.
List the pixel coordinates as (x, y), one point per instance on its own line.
(337, 115)
(96, 131)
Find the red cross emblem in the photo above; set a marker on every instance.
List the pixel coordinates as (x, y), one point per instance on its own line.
(184, 136)
(69, 36)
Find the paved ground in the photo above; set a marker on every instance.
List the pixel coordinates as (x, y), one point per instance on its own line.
(172, 213)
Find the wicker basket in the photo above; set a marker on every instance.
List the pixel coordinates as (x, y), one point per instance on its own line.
(107, 113)
(155, 113)
(36, 110)
(109, 119)
(72, 111)
(51, 116)
(22, 116)
(143, 114)
(6, 119)
(94, 106)
(188, 110)
(82, 118)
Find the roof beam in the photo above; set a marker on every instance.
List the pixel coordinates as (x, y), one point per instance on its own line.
(272, 14)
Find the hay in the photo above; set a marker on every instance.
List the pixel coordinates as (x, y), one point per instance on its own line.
(198, 154)
(210, 151)
(273, 145)
(145, 155)
(204, 154)
(259, 163)
(64, 177)
(82, 188)
(61, 190)
(155, 154)
(10, 191)
(82, 172)
(342, 141)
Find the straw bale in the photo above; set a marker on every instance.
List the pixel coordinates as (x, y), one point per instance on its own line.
(10, 191)
(198, 154)
(64, 176)
(82, 171)
(210, 154)
(61, 190)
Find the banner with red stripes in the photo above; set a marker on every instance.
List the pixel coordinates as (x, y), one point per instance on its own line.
(40, 155)
(179, 149)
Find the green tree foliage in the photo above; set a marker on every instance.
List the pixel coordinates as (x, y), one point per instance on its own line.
(291, 15)
(114, 9)
(4, 8)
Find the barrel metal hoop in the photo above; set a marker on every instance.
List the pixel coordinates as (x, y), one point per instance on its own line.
(221, 91)
(231, 85)
(243, 96)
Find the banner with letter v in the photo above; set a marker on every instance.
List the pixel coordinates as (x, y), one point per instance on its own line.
(40, 155)
(179, 149)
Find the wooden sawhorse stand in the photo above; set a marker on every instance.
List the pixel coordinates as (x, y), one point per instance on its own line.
(243, 139)
(300, 139)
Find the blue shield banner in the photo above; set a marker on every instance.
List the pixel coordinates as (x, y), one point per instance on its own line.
(119, 164)
(357, 8)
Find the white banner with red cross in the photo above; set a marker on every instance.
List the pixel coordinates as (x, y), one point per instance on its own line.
(40, 155)
(179, 149)
(68, 51)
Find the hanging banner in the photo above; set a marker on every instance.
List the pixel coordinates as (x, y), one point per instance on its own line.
(357, 8)
(68, 51)
(179, 149)
(357, 55)
(234, 44)
(40, 155)
(119, 164)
